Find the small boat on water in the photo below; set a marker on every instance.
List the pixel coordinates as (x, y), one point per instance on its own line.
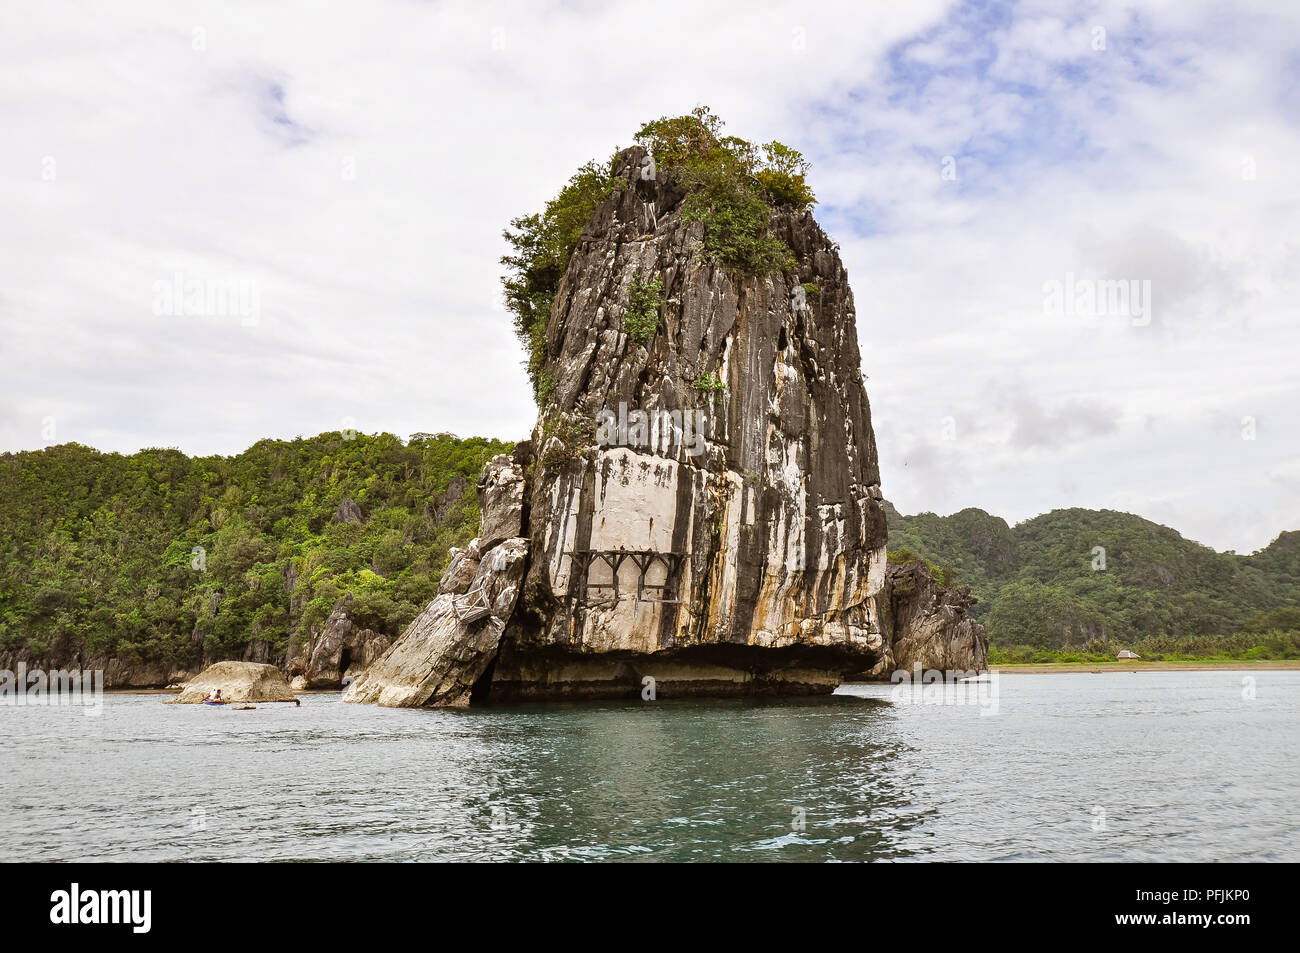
(230, 684)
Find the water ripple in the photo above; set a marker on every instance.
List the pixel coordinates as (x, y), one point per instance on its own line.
(1158, 766)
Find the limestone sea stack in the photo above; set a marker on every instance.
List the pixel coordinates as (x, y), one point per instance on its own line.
(698, 511)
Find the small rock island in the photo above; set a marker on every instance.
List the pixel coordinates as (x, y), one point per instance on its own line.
(238, 682)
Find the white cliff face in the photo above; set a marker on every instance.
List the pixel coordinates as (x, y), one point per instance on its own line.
(640, 501)
(757, 550)
(636, 501)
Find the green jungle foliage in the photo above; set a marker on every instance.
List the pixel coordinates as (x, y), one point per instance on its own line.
(543, 243)
(731, 186)
(645, 298)
(1247, 646)
(1039, 590)
(165, 558)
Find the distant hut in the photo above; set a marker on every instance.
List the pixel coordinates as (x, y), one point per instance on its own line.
(1126, 656)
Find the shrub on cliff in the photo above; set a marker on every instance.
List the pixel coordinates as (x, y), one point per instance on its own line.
(694, 141)
(731, 186)
(735, 215)
(784, 176)
(644, 299)
(944, 576)
(711, 383)
(543, 243)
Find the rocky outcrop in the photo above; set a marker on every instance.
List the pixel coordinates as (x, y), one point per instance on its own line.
(729, 541)
(348, 512)
(501, 500)
(698, 510)
(737, 545)
(451, 645)
(929, 625)
(119, 673)
(437, 510)
(338, 653)
(238, 682)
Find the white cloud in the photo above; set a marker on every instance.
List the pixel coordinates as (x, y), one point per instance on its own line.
(357, 162)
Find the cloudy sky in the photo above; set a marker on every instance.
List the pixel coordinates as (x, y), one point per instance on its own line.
(348, 168)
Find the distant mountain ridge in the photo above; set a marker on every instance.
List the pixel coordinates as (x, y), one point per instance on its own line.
(167, 560)
(1071, 575)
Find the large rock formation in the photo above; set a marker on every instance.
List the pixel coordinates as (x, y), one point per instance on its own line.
(339, 652)
(450, 645)
(929, 625)
(702, 509)
(765, 549)
(238, 682)
(119, 673)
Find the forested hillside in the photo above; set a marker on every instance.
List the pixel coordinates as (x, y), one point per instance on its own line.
(1075, 576)
(176, 560)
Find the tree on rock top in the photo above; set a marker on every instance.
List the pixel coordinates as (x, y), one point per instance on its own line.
(731, 186)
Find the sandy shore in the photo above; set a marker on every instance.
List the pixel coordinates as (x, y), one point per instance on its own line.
(1056, 668)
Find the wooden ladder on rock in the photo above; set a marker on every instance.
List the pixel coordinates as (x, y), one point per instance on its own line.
(473, 605)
